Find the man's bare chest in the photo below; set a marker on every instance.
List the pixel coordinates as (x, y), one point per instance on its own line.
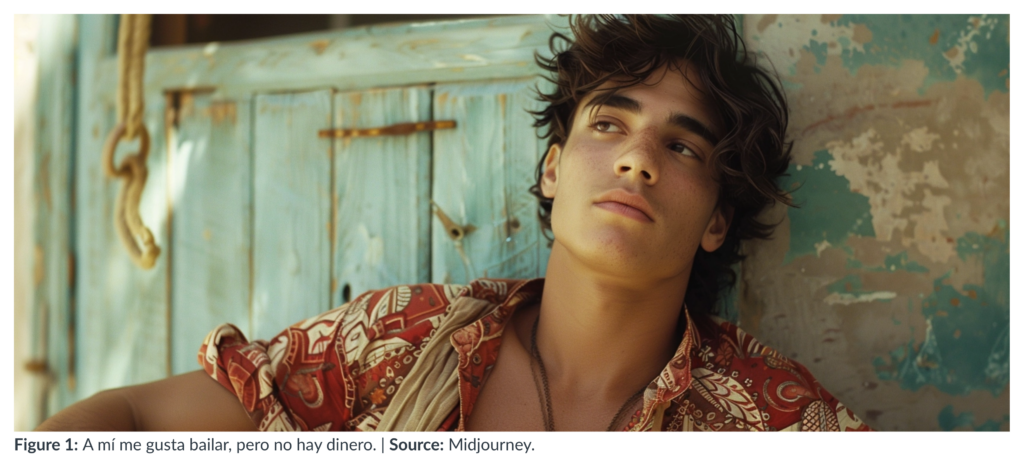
(512, 397)
(508, 400)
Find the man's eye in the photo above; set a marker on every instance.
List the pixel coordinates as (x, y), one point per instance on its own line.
(682, 149)
(605, 127)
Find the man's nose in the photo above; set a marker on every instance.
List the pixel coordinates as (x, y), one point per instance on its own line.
(640, 159)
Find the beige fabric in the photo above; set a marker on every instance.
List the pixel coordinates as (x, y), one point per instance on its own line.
(431, 390)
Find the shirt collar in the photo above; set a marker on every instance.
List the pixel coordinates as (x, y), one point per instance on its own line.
(510, 295)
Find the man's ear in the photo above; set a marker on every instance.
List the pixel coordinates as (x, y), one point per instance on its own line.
(549, 180)
(718, 226)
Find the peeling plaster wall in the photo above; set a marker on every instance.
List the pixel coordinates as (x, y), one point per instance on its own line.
(891, 280)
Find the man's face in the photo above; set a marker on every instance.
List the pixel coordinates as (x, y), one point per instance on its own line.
(634, 195)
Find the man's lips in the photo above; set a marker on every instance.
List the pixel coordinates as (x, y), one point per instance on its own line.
(625, 210)
(626, 203)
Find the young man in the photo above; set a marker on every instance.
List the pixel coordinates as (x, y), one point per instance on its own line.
(666, 141)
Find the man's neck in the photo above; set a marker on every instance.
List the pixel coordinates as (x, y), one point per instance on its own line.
(602, 334)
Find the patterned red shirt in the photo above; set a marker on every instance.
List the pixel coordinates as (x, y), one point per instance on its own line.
(339, 370)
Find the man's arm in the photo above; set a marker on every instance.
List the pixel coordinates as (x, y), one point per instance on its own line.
(188, 402)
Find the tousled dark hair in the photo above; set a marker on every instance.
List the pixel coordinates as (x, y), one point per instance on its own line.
(752, 152)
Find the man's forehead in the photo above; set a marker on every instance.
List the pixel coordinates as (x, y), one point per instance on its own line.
(668, 84)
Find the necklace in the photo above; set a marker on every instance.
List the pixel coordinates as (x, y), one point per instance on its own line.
(545, 399)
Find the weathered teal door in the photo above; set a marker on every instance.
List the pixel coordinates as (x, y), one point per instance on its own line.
(262, 221)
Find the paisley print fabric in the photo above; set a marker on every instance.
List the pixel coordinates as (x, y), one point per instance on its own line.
(339, 370)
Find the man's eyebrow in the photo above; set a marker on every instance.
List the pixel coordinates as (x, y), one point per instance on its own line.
(694, 126)
(617, 101)
(681, 120)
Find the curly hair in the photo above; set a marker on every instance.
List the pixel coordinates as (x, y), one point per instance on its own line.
(749, 158)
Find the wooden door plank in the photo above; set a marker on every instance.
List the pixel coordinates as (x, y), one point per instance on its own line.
(482, 173)
(359, 58)
(382, 192)
(211, 225)
(291, 204)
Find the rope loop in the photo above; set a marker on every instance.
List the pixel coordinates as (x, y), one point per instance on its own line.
(132, 42)
(118, 134)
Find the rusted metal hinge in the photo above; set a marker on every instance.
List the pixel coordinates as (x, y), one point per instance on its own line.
(399, 129)
(37, 366)
(455, 231)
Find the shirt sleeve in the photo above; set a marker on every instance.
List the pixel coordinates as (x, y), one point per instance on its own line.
(295, 381)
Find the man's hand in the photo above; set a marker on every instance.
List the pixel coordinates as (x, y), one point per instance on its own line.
(189, 402)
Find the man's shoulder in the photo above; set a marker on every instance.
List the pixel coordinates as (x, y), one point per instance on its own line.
(379, 313)
(399, 313)
(722, 342)
(784, 391)
(369, 344)
(339, 369)
(729, 350)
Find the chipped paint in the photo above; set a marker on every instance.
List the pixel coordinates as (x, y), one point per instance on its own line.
(820, 247)
(222, 112)
(949, 421)
(967, 340)
(818, 192)
(892, 263)
(850, 290)
(930, 228)
(824, 38)
(949, 45)
(965, 42)
(473, 58)
(900, 261)
(876, 173)
(920, 140)
(981, 45)
(319, 46)
(847, 299)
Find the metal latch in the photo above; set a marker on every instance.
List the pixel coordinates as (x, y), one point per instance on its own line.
(399, 129)
(456, 232)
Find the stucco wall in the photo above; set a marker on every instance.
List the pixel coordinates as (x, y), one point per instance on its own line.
(891, 280)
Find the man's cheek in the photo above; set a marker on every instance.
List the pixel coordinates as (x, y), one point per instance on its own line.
(586, 154)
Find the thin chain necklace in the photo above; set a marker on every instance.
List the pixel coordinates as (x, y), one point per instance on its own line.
(548, 414)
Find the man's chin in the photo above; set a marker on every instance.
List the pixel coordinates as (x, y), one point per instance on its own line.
(629, 260)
